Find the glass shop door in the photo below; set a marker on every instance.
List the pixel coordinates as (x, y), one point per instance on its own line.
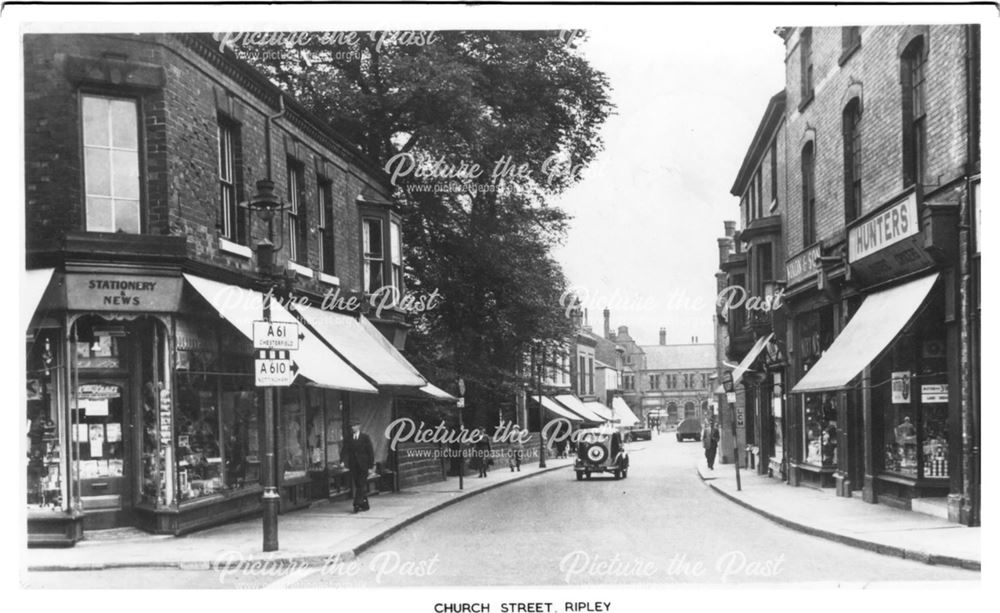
(100, 432)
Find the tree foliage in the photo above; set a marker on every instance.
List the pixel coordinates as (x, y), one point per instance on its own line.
(465, 98)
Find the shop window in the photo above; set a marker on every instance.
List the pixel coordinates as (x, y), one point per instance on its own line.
(292, 455)
(334, 436)
(852, 160)
(111, 164)
(912, 65)
(820, 429)
(324, 189)
(373, 254)
(217, 411)
(914, 401)
(44, 450)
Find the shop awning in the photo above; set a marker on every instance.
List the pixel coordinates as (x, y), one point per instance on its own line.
(556, 409)
(437, 393)
(623, 414)
(574, 404)
(350, 339)
(748, 359)
(600, 409)
(241, 307)
(33, 286)
(879, 319)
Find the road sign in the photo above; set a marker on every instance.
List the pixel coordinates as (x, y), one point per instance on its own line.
(274, 369)
(731, 397)
(276, 335)
(727, 381)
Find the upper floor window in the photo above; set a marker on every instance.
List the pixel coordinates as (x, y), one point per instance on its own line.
(808, 194)
(850, 38)
(396, 255)
(852, 160)
(806, 61)
(111, 164)
(590, 375)
(373, 253)
(914, 112)
(232, 223)
(774, 174)
(324, 191)
(298, 231)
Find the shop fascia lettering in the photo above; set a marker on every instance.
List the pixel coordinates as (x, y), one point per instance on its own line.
(887, 228)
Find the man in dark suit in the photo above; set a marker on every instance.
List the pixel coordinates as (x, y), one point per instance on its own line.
(358, 455)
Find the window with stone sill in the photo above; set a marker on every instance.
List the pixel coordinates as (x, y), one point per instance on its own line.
(298, 231)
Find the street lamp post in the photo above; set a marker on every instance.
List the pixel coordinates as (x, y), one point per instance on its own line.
(541, 414)
(266, 204)
(729, 386)
(461, 433)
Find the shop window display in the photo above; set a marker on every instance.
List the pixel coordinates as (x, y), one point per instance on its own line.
(218, 412)
(334, 425)
(44, 452)
(293, 453)
(315, 434)
(820, 419)
(914, 401)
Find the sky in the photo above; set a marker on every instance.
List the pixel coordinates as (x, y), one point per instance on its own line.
(650, 207)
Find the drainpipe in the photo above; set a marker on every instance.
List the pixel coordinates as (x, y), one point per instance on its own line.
(267, 131)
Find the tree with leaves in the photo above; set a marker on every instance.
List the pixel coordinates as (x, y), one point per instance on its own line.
(522, 107)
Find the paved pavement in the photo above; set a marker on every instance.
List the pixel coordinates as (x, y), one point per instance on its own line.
(850, 521)
(324, 531)
(660, 526)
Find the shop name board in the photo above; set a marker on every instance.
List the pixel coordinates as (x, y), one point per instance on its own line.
(122, 292)
(888, 227)
(932, 394)
(803, 265)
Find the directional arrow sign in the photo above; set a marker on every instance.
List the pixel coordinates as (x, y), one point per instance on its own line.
(276, 335)
(274, 369)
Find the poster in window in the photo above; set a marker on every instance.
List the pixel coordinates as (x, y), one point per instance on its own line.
(901, 387)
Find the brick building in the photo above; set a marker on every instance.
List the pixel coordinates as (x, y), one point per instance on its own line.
(141, 153)
(878, 369)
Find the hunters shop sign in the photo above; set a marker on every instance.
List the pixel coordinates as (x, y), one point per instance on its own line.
(888, 242)
(103, 292)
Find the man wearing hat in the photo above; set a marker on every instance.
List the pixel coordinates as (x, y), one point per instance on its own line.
(358, 455)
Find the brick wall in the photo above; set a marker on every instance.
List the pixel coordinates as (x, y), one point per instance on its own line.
(874, 72)
(178, 150)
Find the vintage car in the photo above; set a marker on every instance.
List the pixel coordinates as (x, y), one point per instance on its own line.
(690, 428)
(637, 433)
(600, 450)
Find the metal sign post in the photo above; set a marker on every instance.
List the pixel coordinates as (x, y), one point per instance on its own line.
(728, 385)
(274, 341)
(461, 428)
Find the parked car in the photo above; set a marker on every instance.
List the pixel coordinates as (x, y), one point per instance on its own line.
(637, 433)
(690, 428)
(600, 450)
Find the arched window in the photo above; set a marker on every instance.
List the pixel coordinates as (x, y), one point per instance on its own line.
(912, 63)
(808, 194)
(852, 160)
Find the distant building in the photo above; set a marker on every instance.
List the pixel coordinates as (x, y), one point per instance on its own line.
(677, 379)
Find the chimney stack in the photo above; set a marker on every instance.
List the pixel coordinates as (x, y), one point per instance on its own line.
(622, 331)
(725, 249)
(663, 336)
(607, 323)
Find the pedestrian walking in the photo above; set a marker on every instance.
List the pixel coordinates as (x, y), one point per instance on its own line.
(710, 441)
(358, 455)
(515, 451)
(483, 453)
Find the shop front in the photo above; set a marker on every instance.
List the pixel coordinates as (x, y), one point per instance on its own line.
(887, 377)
